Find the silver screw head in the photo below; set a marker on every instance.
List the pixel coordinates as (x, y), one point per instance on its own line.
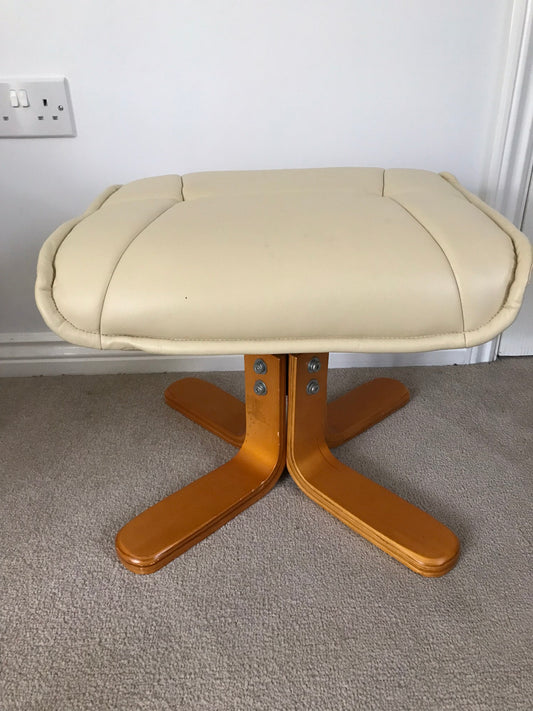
(313, 387)
(260, 388)
(260, 367)
(314, 365)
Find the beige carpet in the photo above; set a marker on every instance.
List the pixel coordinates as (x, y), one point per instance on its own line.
(284, 608)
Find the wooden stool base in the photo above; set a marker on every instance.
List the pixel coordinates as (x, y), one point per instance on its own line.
(267, 443)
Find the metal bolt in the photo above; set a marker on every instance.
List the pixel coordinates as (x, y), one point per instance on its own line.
(260, 388)
(260, 367)
(314, 365)
(313, 387)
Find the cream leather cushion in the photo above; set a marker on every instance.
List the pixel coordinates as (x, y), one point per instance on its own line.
(336, 259)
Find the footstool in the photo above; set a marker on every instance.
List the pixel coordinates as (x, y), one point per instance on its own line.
(285, 266)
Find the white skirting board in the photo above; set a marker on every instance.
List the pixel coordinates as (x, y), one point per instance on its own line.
(33, 354)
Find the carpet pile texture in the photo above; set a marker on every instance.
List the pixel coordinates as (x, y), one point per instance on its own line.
(284, 608)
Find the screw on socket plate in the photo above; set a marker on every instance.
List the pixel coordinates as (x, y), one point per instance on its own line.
(312, 387)
(260, 367)
(260, 388)
(314, 365)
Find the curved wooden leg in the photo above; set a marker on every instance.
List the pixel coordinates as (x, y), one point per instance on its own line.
(347, 416)
(209, 406)
(170, 527)
(363, 407)
(400, 529)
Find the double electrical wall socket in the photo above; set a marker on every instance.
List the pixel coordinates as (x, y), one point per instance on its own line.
(32, 107)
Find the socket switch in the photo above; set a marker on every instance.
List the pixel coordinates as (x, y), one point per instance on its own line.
(35, 107)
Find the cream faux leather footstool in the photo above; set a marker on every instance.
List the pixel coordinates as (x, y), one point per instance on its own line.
(271, 264)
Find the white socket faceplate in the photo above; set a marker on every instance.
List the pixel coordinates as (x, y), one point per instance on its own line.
(34, 107)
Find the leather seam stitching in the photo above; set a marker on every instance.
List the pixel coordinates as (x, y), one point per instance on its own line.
(277, 338)
(288, 338)
(121, 256)
(436, 241)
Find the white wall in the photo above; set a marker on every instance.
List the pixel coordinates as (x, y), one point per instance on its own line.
(173, 86)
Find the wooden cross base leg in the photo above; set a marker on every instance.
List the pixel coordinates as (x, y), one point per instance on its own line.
(268, 444)
(166, 530)
(400, 529)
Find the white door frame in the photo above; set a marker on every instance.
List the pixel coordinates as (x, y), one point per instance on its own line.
(511, 160)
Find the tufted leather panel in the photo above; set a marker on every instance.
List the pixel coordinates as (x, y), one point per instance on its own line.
(334, 259)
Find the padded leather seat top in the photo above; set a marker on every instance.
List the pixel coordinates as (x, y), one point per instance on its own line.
(336, 259)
